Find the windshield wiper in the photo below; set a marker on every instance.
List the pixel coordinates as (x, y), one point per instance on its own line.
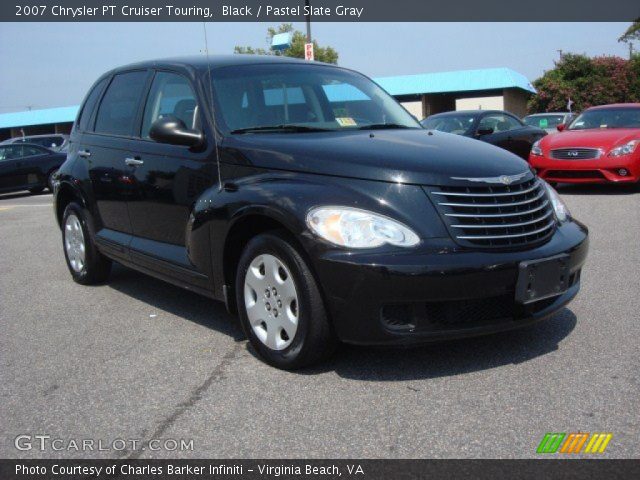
(382, 126)
(280, 128)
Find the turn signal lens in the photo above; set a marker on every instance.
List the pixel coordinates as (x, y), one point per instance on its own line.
(559, 207)
(535, 149)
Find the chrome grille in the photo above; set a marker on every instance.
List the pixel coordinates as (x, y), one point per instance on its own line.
(575, 153)
(497, 216)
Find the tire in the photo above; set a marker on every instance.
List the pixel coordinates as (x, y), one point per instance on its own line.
(302, 335)
(86, 264)
(50, 180)
(36, 190)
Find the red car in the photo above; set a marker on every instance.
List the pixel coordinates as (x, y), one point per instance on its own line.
(600, 146)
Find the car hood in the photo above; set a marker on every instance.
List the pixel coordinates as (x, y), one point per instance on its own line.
(605, 138)
(411, 156)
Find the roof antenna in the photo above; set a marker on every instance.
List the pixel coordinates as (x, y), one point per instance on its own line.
(213, 113)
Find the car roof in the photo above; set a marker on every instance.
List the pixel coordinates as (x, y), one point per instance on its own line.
(23, 144)
(615, 105)
(548, 113)
(467, 112)
(42, 135)
(201, 62)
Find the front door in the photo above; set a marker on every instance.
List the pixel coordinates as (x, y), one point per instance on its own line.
(9, 177)
(168, 178)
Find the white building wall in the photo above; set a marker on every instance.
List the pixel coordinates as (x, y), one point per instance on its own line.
(480, 103)
(415, 108)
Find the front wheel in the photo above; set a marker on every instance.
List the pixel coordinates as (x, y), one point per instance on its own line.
(50, 180)
(280, 305)
(86, 264)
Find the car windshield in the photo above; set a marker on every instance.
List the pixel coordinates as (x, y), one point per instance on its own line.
(302, 98)
(544, 121)
(457, 124)
(607, 118)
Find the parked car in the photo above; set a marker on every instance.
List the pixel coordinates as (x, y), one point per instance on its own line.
(492, 126)
(549, 121)
(307, 199)
(599, 146)
(56, 142)
(30, 167)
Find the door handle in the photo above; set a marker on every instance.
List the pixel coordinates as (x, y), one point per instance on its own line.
(133, 162)
(84, 153)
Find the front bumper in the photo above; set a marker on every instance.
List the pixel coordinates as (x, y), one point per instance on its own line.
(602, 170)
(438, 292)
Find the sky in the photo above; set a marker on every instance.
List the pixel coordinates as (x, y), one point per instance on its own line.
(53, 64)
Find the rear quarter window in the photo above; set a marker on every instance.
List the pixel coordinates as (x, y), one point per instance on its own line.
(119, 105)
(90, 105)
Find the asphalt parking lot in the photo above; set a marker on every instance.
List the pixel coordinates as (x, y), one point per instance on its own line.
(140, 359)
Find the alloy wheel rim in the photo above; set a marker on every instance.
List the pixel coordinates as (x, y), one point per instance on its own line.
(271, 301)
(74, 243)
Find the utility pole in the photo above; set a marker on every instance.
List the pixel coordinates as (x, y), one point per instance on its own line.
(308, 15)
(560, 53)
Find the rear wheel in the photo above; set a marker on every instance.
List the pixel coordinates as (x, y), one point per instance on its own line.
(280, 306)
(86, 264)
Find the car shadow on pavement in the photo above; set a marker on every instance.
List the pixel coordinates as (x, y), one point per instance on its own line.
(363, 363)
(596, 189)
(175, 300)
(453, 357)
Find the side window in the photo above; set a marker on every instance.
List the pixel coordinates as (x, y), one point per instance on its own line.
(498, 122)
(89, 105)
(171, 95)
(13, 151)
(30, 150)
(117, 111)
(3, 153)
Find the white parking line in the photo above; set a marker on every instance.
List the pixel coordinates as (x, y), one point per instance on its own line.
(7, 207)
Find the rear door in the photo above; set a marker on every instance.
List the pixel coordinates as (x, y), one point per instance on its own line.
(169, 178)
(107, 145)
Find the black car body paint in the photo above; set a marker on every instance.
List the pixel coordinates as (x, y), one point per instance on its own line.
(178, 214)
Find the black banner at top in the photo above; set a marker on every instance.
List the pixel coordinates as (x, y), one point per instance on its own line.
(320, 10)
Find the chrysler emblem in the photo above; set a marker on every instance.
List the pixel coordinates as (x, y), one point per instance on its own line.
(504, 179)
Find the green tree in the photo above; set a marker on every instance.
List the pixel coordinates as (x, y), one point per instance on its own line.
(321, 54)
(632, 34)
(587, 82)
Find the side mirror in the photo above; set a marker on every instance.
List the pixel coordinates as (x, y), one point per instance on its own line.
(173, 131)
(561, 127)
(485, 131)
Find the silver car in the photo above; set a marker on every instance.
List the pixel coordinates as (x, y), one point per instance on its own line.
(57, 142)
(549, 121)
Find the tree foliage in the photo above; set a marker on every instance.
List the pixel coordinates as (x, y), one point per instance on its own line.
(632, 34)
(587, 82)
(321, 54)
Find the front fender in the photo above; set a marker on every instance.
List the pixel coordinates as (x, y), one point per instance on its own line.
(287, 197)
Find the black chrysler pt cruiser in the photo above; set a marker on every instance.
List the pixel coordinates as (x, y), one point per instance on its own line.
(312, 203)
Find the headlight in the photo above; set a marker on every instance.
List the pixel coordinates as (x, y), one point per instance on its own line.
(625, 149)
(355, 228)
(535, 148)
(559, 207)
